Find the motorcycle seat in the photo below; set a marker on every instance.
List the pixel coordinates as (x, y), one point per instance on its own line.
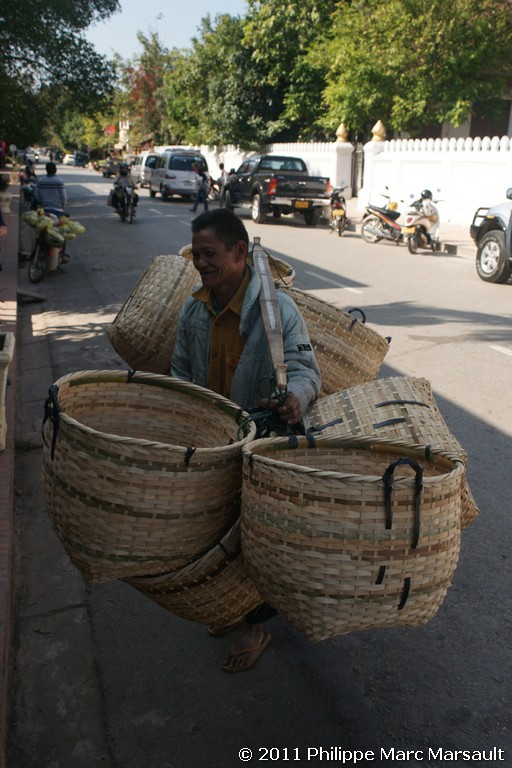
(393, 215)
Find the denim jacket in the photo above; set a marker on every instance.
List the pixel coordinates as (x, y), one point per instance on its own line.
(254, 369)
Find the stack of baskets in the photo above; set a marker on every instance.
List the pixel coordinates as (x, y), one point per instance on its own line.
(129, 463)
(401, 409)
(356, 528)
(349, 534)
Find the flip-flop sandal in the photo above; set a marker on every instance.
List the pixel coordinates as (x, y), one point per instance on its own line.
(247, 657)
(219, 630)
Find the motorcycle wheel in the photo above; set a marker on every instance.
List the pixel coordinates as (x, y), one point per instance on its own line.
(372, 222)
(412, 243)
(39, 263)
(340, 225)
(131, 212)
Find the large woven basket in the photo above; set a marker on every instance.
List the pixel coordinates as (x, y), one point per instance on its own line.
(282, 272)
(334, 547)
(141, 473)
(401, 409)
(348, 352)
(144, 331)
(215, 589)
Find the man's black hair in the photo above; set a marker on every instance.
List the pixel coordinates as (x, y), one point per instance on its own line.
(51, 169)
(228, 228)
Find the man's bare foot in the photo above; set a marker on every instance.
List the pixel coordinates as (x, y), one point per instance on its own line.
(247, 648)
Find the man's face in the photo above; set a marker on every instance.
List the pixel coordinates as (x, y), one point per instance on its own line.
(221, 268)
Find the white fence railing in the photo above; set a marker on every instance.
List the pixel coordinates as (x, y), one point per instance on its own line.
(467, 172)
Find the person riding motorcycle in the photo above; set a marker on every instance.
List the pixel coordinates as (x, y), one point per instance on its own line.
(122, 180)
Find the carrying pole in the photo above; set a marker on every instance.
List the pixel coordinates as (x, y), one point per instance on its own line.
(269, 305)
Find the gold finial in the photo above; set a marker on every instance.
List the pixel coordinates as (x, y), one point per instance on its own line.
(342, 133)
(379, 131)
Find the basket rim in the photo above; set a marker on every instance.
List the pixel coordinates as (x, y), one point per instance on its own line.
(449, 459)
(242, 418)
(337, 311)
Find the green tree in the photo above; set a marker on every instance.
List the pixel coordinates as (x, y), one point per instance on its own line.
(42, 43)
(413, 63)
(280, 35)
(141, 96)
(214, 93)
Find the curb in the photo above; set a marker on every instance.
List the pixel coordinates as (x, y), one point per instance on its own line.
(8, 322)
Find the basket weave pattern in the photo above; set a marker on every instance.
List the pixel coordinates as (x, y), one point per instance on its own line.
(401, 409)
(215, 589)
(348, 352)
(129, 486)
(316, 541)
(144, 331)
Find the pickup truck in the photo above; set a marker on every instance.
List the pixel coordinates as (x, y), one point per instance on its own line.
(266, 183)
(489, 231)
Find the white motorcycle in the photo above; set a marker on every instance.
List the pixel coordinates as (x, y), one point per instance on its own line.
(421, 226)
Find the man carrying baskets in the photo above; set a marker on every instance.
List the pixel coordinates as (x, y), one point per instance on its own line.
(222, 345)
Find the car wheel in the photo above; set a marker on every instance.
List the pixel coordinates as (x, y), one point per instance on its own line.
(492, 263)
(228, 203)
(258, 213)
(152, 192)
(312, 216)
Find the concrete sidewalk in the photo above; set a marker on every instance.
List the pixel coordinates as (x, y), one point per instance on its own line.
(8, 322)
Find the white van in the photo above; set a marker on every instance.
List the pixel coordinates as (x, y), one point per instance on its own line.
(142, 167)
(173, 174)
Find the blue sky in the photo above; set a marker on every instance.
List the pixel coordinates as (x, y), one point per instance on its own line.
(175, 22)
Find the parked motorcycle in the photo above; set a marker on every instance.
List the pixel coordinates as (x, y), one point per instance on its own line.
(382, 223)
(338, 219)
(421, 226)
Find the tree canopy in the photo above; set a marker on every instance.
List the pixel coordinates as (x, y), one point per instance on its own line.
(413, 63)
(284, 71)
(43, 46)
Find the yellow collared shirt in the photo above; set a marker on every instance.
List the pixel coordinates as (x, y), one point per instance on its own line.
(226, 343)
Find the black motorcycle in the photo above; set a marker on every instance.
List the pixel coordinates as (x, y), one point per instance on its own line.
(381, 223)
(338, 219)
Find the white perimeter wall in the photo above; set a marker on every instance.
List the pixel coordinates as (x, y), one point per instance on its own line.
(468, 173)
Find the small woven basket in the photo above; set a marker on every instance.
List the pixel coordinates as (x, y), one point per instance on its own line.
(144, 331)
(215, 589)
(401, 409)
(129, 465)
(350, 534)
(347, 351)
(282, 272)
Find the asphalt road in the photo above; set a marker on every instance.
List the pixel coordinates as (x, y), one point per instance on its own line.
(103, 676)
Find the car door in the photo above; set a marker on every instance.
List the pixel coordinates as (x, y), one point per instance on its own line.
(244, 182)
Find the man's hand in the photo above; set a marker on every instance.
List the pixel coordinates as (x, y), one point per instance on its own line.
(289, 411)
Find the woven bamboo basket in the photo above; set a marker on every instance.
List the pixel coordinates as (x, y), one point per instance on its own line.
(144, 331)
(215, 589)
(282, 272)
(348, 352)
(401, 409)
(337, 548)
(129, 465)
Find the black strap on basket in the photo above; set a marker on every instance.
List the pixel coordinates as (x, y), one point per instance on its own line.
(387, 477)
(355, 319)
(388, 490)
(299, 429)
(51, 412)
